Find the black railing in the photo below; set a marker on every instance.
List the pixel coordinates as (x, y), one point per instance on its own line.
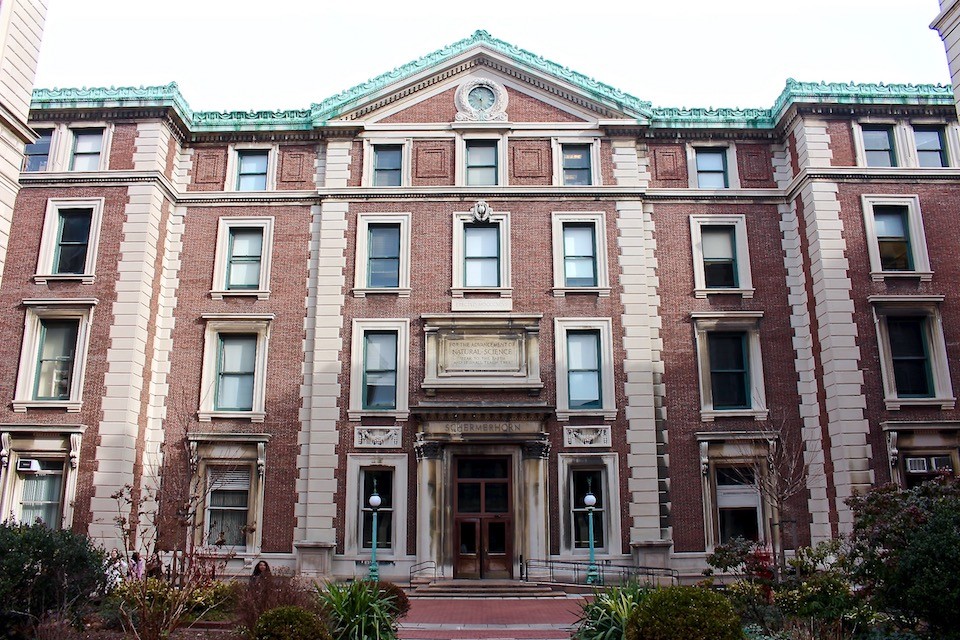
(423, 567)
(562, 572)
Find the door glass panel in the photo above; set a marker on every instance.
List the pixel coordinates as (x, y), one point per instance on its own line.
(468, 497)
(496, 537)
(468, 537)
(496, 497)
(482, 468)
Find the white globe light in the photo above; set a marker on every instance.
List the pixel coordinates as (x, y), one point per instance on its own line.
(375, 501)
(590, 500)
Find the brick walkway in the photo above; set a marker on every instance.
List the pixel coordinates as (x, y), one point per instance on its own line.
(491, 619)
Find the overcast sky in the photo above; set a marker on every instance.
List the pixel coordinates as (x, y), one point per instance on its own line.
(286, 54)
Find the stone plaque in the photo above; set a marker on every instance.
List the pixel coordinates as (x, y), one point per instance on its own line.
(480, 354)
(466, 429)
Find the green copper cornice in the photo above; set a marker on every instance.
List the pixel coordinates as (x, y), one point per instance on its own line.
(112, 97)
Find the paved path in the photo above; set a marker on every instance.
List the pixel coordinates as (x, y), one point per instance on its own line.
(491, 618)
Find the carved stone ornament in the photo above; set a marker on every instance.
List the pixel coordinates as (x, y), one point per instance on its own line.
(377, 437)
(427, 450)
(586, 436)
(538, 450)
(74, 450)
(4, 449)
(705, 458)
(481, 211)
(892, 448)
(469, 109)
(261, 458)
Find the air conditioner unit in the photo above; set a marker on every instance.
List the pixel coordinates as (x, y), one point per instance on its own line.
(25, 465)
(916, 465)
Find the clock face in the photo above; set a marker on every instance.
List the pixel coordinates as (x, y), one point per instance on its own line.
(481, 98)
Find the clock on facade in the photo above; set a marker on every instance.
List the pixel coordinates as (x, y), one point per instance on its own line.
(481, 98)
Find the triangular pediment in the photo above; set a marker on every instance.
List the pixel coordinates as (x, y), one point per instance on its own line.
(423, 90)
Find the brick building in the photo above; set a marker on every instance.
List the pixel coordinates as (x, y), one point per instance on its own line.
(482, 285)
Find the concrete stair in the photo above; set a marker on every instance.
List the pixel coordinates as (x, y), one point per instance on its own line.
(485, 589)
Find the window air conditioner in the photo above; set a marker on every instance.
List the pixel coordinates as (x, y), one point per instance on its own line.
(916, 465)
(25, 465)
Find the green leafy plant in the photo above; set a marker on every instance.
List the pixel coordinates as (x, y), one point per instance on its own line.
(44, 570)
(290, 623)
(605, 617)
(268, 592)
(395, 597)
(684, 613)
(358, 610)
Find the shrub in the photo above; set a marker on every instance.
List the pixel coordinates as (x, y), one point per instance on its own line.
(42, 570)
(606, 616)
(270, 592)
(358, 611)
(684, 613)
(396, 598)
(290, 623)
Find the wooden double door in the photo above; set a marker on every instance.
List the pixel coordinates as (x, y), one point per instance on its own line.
(483, 517)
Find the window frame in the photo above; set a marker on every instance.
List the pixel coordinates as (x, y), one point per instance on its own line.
(941, 130)
(744, 288)
(361, 261)
(598, 219)
(748, 323)
(50, 148)
(209, 490)
(730, 159)
(365, 507)
(50, 239)
(38, 310)
(225, 225)
(360, 327)
(917, 238)
(459, 288)
(233, 165)
(356, 464)
(557, 146)
(369, 159)
(927, 307)
(465, 140)
(604, 326)
(609, 466)
(218, 324)
(103, 153)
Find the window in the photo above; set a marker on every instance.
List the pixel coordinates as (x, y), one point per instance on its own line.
(721, 257)
(576, 165)
(584, 352)
(36, 155)
(896, 243)
(87, 146)
(228, 506)
(481, 254)
(919, 451)
(381, 481)
(41, 484)
(585, 481)
(383, 254)
(580, 253)
(243, 259)
(738, 504)
(878, 145)
(252, 170)
(482, 165)
(379, 380)
(931, 150)
(68, 246)
(56, 333)
(233, 379)
(712, 169)
(913, 358)
(731, 374)
(387, 165)
(380, 370)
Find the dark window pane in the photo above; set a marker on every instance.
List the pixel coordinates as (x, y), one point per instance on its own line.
(495, 498)
(384, 256)
(908, 350)
(930, 151)
(576, 164)
(496, 537)
(878, 146)
(380, 370)
(387, 169)
(468, 497)
(729, 376)
(468, 537)
(893, 239)
(37, 153)
(739, 523)
(482, 468)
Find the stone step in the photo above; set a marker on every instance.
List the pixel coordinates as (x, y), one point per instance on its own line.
(485, 589)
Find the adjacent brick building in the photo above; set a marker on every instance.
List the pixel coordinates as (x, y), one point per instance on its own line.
(481, 285)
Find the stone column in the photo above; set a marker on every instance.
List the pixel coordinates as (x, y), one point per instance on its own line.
(533, 492)
(430, 499)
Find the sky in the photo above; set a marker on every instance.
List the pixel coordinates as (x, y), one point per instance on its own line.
(287, 54)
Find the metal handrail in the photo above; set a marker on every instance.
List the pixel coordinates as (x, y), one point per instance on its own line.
(420, 567)
(567, 572)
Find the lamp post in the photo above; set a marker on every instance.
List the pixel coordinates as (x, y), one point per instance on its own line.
(375, 503)
(593, 573)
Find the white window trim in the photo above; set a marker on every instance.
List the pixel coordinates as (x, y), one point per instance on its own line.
(66, 142)
(903, 141)
(742, 247)
(48, 240)
(233, 164)
(928, 306)
(224, 226)
(502, 219)
(38, 309)
(732, 449)
(918, 239)
(364, 220)
(610, 462)
(406, 164)
(557, 144)
(608, 409)
(733, 172)
(460, 171)
(356, 462)
(360, 327)
(61, 441)
(950, 141)
(748, 322)
(210, 450)
(227, 323)
(599, 221)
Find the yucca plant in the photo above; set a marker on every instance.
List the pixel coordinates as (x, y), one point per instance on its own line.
(606, 616)
(358, 610)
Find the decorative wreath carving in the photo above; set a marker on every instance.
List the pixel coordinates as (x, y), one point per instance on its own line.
(466, 113)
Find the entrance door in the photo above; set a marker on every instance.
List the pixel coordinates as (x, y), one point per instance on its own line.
(483, 518)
